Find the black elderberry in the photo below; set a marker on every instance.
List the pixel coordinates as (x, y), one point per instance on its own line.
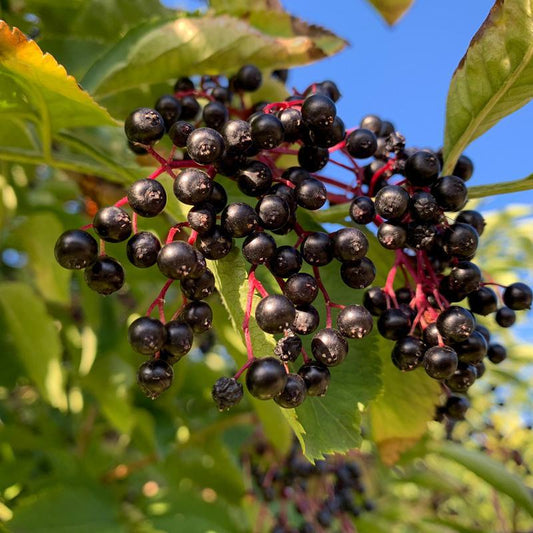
(408, 353)
(198, 315)
(205, 145)
(375, 301)
(355, 322)
(294, 392)
(169, 108)
(138, 149)
(422, 168)
(179, 338)
(105, 275)
(226, 393)
(473, 349)
(288, 348)
(296, 175)
(313, 158)
(215, 114)
(275, 313)
(306, 320)
(258, 248)
(202, 218)
(496, 353)
(456, 407)
(147, 335)
(318, 111)
(75, 249)
(285, 262)
(349, 244)
(326, 137)
(199, 288)
(358, 274)
(273, 212)
(317, 249)
(155, 377)
(440, 362)
(362, 210)
(179, 132)
(142, 249)
(329, 347)
(248, 78)
(266, 378)
(190, 107)
(484, 331)
(147, 197)
(473, 218)
(404, 295)
(361, 143)
(431, 334)
(394, 324)
(112, 224)
(237, 135)
(316, 377)
(461, 240)
(464, 168)
(450, 192)
(518, 296)
(463, 378)
(505, 317)
(215, 244)
(255, 179)
(456, 323)
(285, 192)
(301, 289)
(391, 202)
(311, 194)
(144, 126)
(267, 131)
(183, 84)
(291, 119)
(423, 207)
(421, 236)
(238, 219)
(464, 277)
(176, 260)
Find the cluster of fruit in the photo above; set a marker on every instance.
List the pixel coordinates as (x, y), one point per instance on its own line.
(297, 496)
(399, 190)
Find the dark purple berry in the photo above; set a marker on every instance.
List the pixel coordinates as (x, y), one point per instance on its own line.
(266, 378)
(75, 249)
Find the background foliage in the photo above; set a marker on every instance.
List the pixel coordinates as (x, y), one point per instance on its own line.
(81, 449)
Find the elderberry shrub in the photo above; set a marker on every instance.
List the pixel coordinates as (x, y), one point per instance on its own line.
(208, 137)
(324, 496)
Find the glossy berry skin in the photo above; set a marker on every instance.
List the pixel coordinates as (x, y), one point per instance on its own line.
(355, 322)
(288, 348)
(450, 192)
(147, 335)
(313, 158)
(408, 353)
(193, 186)
(169, 108)
(273, 212)
(147, 197)
(473, 349)
(75, 249)
(362, 210)
(484, 331)
(215, 114)
(155, 377)
(463, 378)
(285, 262)
(391, 202)
(178, 338)
(216, 244)
(294, 392)
(144, 126)
(218, 197)
(226, 393)
(179, 132)
(142, 249)
(301, 289)
(202, 218)
(456, 324)
(258, 248)
(248, 78)
(316, 377)
(205, 145)
(473, 218)
(461, 240)
(372, 123)
(112, 224)
(306, 320)
(189, 107)
(267, 131)
(105, 275)
(349, 244)
(198, 315)
(361, 143)
(440, 362)
(375, 301)
(358, 274)
(200, 287)
(238, 219)
(296, 175)
(422, 168)
(255, 179)
(394, 324)
(464, 277)
(176, 260)
(421, 236)
(318, 111)
(275, 313)
(291, 119)
(266, 378)
(424, 207)
(464, 168)
(317, 249)
(518, 296)
(237, 135)
(329, 347)
(496, 353)
(392, 236)
(456, 407)
(505, 317)
(311, 194)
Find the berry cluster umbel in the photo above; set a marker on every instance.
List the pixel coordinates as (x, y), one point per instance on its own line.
(215, 137)
(297, 496)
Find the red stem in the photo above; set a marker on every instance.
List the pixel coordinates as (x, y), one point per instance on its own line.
(160, 298)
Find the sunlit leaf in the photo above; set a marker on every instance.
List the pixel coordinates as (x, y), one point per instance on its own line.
(391, 10)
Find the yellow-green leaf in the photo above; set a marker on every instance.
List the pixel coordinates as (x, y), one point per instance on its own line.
(391, 10)
(493, 79)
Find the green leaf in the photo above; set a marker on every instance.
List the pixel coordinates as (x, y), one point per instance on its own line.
(494, 78)
(391, 10)
(493, 472)
(66, 509)
(241, 7)
(158, 51)
(34, 338)
(399, 416)
(505, 187)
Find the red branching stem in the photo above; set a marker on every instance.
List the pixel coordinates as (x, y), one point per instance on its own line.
(243, 368)
(417, 319)
(280, 106)
(375, 178)
(87, 226)
(342, 165)
(486, 283)
(184, 302)
(160, 298)
(184, 164)
(247, 314)
(327, 299)
(334, 182)
(193, 237)
(306, 358)
(156, 173)
(335, 199)
(389, 283)
(175, 229)
(121, 202)
(134, 223)
(199, 94)
(159, 158)
(285, 182)
(284, 151)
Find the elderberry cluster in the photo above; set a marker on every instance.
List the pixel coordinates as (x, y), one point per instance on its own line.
(212, 134)
(302, 497)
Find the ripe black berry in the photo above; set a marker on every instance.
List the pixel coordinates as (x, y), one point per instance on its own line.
(142, 249)
(238, 219)
(193, 186)
(154, 377)
(237, 135)
(518, 296)
(463, 378)
(361, 143)
(169, 108)
(147, 335)
(313, 158)
(294, 392)
(248, 78)
(355, 321)
(450, 192)
(391, 202)
(200, 287)
(215, 244)
(408, 353)
(362, 210)
(266, 378)
(105, 275)
(112, 224)
(144, 126)
(496, 353)
(421, 236)
(318, 111)
(392, 236)
(456, 323)
(423, 206)
(179, 132)
(317, 249)
(473, 349)
(291, 119)
(316, 377)
(176, 260)
(329, 347)
(372, 123)
(464, 277)
(202, 218)
(311, 194)
(461, 240)
(301, 289)
(147, 197)
(275, 313)
(205, 145)
(273, 212)
(198, 315)
(285, 262)
(75, 249)
(375, 301)
(255, 179)
(267, 131)
(456, 407)
(190, 107)
(215, 114)
(258, 248)
(288, 348)
(358, 274)
(473, 218)
(394, 324)
(306, 320)
(505, 317)
(179, 337)
(464, 168)
(349, 244)
(226, 393)
(422, 168)
(440, 362)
